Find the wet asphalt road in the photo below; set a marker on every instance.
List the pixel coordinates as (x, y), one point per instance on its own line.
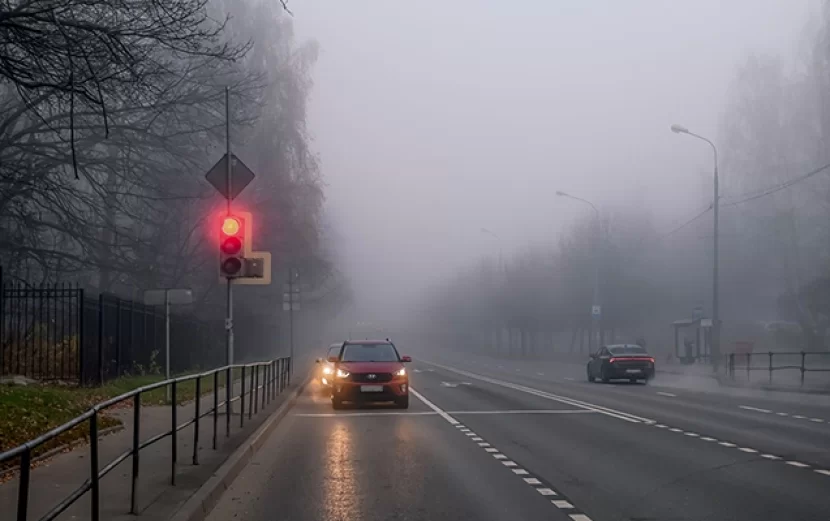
(518, 441)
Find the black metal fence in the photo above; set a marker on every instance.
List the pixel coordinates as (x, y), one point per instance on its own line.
(260, 383)
(802, 362)
(60, 332)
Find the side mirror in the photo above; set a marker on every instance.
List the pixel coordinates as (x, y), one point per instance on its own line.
(406, 359)
(333, 359)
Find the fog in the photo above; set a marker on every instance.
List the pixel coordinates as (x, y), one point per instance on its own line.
(434, 122)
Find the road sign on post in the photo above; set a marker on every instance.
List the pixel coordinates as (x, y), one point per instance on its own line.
(596, 311)
(241, 176)
(167, 297)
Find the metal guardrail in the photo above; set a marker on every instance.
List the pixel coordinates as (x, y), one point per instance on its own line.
(271, 378)
(742, 363)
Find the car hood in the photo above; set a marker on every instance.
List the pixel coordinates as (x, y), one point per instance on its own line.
(371, 367)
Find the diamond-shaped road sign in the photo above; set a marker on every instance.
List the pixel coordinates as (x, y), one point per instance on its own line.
(241, 176)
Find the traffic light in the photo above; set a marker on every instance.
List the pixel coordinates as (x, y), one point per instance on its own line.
(232, 246)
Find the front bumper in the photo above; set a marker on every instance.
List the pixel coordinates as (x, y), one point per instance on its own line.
(359, 391)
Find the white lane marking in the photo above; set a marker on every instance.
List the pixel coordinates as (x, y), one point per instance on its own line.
(434, 407)
(707, 438)
(661, 426)
(466, 383)
(579, 517)
(799, 417)
(477, 438)
(520, 472)
(824, 472)
(527, 411)
(817, 420)
(498, 456)
(546, 492)
(560, 503)
(797, 464)
(746, 449)
(782, 414)
(570, 379)
(770, 456)
(532, 481)
(491, 449)
(470, 433)
(550, 396)
(756, 409)
(670, 395)
(448, 384)
(348, 414)
(693, 434)
(675, 429)
(509, 463)
(483, 444)
(727, 444)
(417, 370)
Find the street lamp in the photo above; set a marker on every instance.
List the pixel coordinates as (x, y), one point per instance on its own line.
(595, 320)
(678, 129)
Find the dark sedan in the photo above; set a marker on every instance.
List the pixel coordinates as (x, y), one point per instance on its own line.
(621, 362)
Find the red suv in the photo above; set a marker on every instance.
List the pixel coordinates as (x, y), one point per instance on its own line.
(369, 371)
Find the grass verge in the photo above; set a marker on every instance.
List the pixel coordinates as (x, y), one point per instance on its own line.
(27, 412)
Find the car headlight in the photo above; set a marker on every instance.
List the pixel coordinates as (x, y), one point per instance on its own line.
(328, 370)
(342, 374)
(400, 372)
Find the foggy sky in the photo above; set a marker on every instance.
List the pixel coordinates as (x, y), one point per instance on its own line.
(433, 120)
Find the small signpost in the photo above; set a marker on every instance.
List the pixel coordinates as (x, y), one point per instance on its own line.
(167, 297)
(240, 177)
(596, 311)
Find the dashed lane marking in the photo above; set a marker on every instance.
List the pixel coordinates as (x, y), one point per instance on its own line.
(823, 472)
(534, 482)
(670, 395)
(797, 464)
(756, 409)
(784, 414)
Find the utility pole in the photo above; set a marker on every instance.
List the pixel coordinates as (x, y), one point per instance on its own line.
(228, 181)
(291, 321)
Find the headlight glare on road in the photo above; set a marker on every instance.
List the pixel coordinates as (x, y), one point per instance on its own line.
(342, 374)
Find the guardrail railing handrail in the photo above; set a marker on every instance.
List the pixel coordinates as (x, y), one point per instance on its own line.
(768, 358)
(276, 376)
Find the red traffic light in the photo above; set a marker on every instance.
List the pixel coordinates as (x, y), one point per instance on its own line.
(231, 226)
(231, 246)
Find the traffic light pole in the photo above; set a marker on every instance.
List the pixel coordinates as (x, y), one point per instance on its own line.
(229, 314)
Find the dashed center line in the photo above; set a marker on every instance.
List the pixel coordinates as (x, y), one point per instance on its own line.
(532, 481)
(670, 395)
(756, 409)
(783, 414)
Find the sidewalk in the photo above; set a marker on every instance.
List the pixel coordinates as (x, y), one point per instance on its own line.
(57, 478)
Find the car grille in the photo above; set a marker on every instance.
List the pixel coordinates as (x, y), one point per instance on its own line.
(364, 377)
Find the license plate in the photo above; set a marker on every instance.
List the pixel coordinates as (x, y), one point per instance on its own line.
(632, 371)
(371, 388)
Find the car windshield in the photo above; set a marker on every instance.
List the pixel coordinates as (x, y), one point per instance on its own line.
(370, 353)
(627, 350)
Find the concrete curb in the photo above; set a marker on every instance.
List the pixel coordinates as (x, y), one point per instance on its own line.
(200, 504)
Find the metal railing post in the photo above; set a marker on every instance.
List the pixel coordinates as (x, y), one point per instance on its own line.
(264, 384)
(228, 383)
(242, 400)
(803, 366)
(748, 364)
(255, 394)
(174, 445)
(215, 405)
(136, 443)
(23, 487)
(93, 466)
(196, 420)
